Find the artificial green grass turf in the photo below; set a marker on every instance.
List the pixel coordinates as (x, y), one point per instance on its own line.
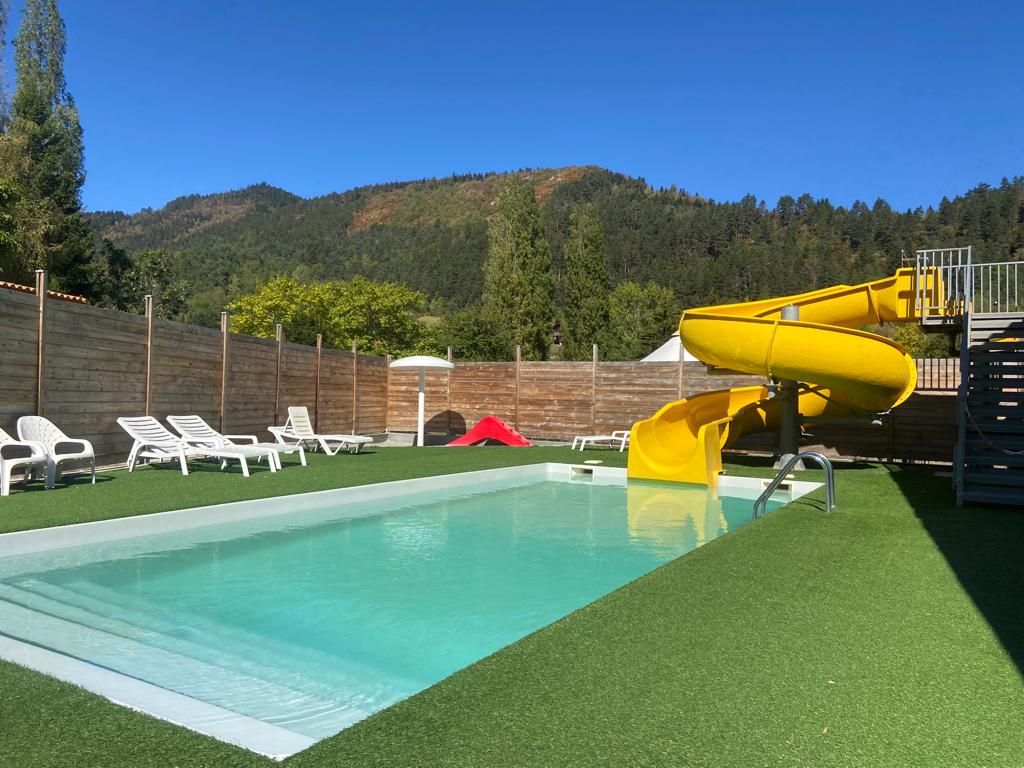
(806, 639)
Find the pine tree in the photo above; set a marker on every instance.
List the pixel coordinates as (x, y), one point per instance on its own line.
(585, 285)
(4, 117)
(43, 153)
(518, 275)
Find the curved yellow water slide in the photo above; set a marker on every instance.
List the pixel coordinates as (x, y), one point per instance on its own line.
(844, 372)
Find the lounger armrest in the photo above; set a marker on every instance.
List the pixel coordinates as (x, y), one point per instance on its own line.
(283, 434)
(620, 433)
(250, 438)
(71, 445)
(202, 442)
(15, 449)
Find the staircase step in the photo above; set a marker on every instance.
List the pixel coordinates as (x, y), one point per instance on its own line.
(1000, 427)
(996, 345)
(997, 318)
(996, 356)
(995, 397)
(989, 458)
(1007, 477)
(991, 411)
(993, 495)
(987, 368)
(976, 443)
(983, 386)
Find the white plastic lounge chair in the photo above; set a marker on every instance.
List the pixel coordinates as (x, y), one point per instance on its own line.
(299, 429)
(198, 432)
(154, 441)
(59, 447)
(619, 438)
(24, 455)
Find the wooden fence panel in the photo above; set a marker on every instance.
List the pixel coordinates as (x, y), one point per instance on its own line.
(555, 399)
(18, 314)
(251, 386)
(696, 378)
(371, 404)
(924, 428)
(298, 378)
(629, 392)
(482, 389)
(335, 392)
(403, 400)
(95, 371)
(186, 371)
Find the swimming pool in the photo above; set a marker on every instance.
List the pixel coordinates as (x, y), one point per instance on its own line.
(278, 622)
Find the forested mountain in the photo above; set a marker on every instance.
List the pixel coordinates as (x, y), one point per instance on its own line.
(432, 235)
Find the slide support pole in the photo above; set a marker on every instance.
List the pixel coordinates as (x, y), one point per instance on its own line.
(419, 416)
(789, 408)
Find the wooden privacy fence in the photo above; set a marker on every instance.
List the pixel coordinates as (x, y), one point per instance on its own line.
(557, 400)
(83, 366)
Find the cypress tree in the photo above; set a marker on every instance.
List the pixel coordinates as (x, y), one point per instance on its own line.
(518, 275)
(585, 285)
(43, 153)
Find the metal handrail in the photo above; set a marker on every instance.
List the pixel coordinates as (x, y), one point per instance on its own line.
(830, 481)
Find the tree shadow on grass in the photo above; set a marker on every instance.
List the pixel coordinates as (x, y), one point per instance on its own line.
(765, 462)
(443, 427)
(984, 545)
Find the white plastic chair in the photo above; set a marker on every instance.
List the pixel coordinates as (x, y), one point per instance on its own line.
(299, 429)
(59, 447)
(154, 441)
(619, 438)
(24, 455)
(198, 432)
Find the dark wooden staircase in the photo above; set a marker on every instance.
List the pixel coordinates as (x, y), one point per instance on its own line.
(990, 450)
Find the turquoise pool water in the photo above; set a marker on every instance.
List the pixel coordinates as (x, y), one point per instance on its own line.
(313, 620)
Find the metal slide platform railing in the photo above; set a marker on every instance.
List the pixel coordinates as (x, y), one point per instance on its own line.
(950, 284)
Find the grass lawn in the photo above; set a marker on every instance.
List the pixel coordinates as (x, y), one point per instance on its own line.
(889, 633)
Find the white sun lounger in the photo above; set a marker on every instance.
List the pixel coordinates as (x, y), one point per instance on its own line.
(199, 433)
(59, 447)
(154, 441)
(299, 429)
(25, 455)
(619, 438)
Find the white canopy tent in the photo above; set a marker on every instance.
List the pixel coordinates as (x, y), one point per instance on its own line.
(422, 363)
(672, 351)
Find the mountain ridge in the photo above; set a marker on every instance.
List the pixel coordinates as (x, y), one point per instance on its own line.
(431, 234)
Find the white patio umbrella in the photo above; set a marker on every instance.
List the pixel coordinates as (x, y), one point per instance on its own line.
(421, 362)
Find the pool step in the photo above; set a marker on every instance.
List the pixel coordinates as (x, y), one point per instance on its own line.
(171, 662)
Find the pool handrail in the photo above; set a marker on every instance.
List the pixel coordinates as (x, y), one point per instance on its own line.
(830, 481)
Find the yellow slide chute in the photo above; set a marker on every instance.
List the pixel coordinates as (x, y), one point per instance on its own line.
(846, 371)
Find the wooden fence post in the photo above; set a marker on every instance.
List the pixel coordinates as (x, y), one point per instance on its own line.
(355, 384)
(448, 392)
(279, 335)
(387, 393)
(41, 288)
(225, 334)
(679, 382)
(593, 392)
(519, 361)
(147, 302)
(316, 387)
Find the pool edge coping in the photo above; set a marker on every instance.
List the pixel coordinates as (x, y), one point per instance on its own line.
(274, 742)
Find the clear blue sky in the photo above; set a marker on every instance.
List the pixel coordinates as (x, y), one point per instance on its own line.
(908, 101)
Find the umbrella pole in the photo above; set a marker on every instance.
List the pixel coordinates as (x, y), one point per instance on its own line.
(419, 420)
